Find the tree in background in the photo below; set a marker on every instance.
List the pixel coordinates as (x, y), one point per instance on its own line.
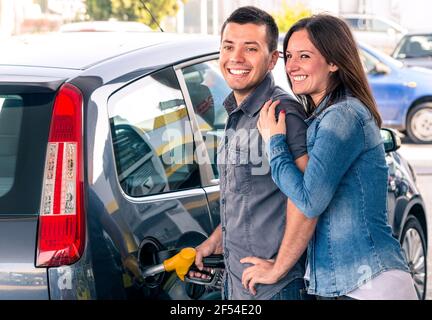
(132, 10)
(290, 14)
(99, 10)
(127, 10)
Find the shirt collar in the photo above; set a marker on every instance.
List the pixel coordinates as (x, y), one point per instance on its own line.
(322, 105)
(345, 93)
(318, 109)
(254, 101)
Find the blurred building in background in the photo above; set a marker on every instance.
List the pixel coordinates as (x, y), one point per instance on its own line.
(202, 16)
(206, 16)
(32, 16)
(12, 13)
(69, 10)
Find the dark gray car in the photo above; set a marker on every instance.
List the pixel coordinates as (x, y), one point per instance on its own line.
(107, 165)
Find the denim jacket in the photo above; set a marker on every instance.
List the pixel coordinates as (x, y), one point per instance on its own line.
(345, 185)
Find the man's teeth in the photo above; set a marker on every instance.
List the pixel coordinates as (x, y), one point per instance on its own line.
(300, 78)
(238, 72)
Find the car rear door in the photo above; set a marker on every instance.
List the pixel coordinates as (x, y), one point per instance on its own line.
(145, 198)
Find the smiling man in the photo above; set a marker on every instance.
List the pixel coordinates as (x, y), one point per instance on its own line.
(253, 210)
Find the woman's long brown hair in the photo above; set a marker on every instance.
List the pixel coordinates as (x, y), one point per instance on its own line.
(334, 40)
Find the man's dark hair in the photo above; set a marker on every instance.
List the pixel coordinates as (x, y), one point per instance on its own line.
(256, 16)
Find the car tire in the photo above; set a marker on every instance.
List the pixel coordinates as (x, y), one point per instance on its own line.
(419, 123)
(413, 242)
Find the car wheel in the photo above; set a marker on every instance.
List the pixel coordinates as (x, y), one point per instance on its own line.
(413, 244)
(419, 123)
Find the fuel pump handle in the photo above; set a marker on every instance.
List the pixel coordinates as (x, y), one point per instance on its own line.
(214, 261)
(181, 262)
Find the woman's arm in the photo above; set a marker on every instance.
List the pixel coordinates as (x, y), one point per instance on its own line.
(338, 142)
(298, 231)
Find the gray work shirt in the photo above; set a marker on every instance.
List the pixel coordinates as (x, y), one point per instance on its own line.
(253, 209)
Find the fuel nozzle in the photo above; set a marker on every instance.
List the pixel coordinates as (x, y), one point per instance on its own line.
(183, 262)
(180, 263)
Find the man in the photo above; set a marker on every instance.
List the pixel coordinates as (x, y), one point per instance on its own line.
(253, 210)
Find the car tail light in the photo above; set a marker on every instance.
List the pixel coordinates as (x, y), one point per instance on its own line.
(61, 233)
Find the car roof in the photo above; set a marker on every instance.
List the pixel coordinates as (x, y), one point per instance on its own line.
(419, 32)
(389, 21)
(81, 50)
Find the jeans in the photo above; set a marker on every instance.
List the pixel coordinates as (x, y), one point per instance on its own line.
(295, 290)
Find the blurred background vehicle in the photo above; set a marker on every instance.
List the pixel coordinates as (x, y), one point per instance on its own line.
(415, 49)
(105, 26)
(403, 93)
(376, 31)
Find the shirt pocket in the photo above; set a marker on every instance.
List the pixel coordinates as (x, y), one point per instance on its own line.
(239, 172)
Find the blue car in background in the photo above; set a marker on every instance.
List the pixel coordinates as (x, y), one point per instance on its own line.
(403, 94)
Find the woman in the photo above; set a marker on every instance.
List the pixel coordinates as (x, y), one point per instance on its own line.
(342, 194)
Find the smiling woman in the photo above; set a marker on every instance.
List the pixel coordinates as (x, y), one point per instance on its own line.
(345, 181)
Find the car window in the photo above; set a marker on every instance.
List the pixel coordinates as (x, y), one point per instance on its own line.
(415, 46)
(11, 109)
(152, 138)
(368, 61)
(24, 127)
(208, 90)
(357, 24)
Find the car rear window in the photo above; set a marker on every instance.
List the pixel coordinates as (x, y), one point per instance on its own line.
(24, 128)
